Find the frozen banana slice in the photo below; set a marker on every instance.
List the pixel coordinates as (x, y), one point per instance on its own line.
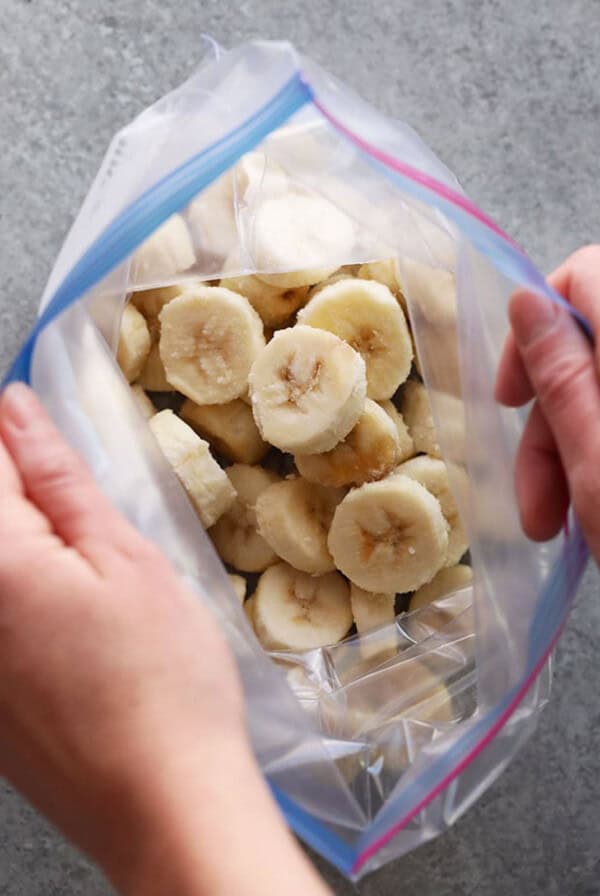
(389, 535)
(207, 485)
(230, 428)
(371, 610)
(370, 451)
(454, 578)
(143, 402)
(274, 304)
(294, 518)
(150, 302)
(152, 378)
(406, 446)
(433, 474)
(294, 228)
(209, 339)
(416, 411)
(297, 611)
(211, 216)
(307, 389)
(134, 343)
(165, 254)
(238, 583)
(432, 292)
(388, 273)
(236, 535)
(366, 315)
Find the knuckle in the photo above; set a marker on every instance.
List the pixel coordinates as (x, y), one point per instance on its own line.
(55, 469)
(558, 376)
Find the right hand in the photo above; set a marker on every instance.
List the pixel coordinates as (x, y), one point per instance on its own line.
(547, 357)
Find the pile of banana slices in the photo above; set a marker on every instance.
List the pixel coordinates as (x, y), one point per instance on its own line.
(305, 440)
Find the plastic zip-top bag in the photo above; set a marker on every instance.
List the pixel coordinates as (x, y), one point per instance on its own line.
(395, 654)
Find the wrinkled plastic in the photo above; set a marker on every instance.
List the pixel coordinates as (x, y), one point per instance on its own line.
(376, 744)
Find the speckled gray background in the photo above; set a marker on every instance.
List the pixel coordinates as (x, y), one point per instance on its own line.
(508, 94)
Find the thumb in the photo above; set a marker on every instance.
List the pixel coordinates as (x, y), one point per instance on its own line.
(560, 364)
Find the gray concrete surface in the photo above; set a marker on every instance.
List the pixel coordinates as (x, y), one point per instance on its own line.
(508, 94)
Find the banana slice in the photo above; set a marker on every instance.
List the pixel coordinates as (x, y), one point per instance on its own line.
(416, 411)
(367, 316)
(207, 485)
(209, 339)
(211, 216)
(371, 610)
(238, 583)
(165, 254)
(388, 273)
(143, 402)
(134, 343)
(307, 389)
(370, 451)
(274, 304)
(433, 474)
(153, 376)
(150, 302)
(230, 428)
(406, 446)
(389, 535)
(297, 611)
(236, 535)
(294, 518)
(455, 578)
(341, 274)
(294, 227)
(432, 292)
(249, 610)
(258, 177)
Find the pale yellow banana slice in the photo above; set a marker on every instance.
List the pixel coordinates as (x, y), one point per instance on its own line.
(388, 273)
(433, 474)
(211, 216)
(297, 611)
(341, 274)
(443, 604)
(432, 292)
(168, 252)
(366, 315)
(308, 390)
(370, 451)
(209, 339)
(230, 428)
(236, 535)
(406, 446)
(298, 228)
(143, 402)
(294, 517)
(258, 177)
(134, 343)
(151, 301)
(153, 376)
(389, 535)
(238, 583)
(207, 485)
(454, 578)
(274, 304)
(416, 411)
(371, 610)
(249, 610)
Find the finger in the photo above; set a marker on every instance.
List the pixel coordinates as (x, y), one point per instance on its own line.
(540, 481)
(513, 386)
(54, 478)
(561, 367)
(578, 279)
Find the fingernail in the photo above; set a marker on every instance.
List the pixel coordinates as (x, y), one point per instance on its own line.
(531, 315)
(18, 405)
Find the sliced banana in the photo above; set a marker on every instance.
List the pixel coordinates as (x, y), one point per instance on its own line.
(371, 610)
(249, 610)
(406, 446)
(153, 376)
(416, 411)
(455, 578)
(294, 227)
(388, 273)
(366, 315)
(209, 339)
(389, 535)
(207, 485)
(150, 302)
(211, 216)
(168, 252)
(294, 517)
(432, 292)
(433, 474)
(134, 343)
(236, 535)
(370, 451)
(238, 583)
(341, 274)
(143, 402)
(259, 177)
(274, 304)
(230, 428)
(308, 390)
(297, 611)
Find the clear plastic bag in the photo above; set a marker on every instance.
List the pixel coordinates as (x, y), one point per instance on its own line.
(376, 744)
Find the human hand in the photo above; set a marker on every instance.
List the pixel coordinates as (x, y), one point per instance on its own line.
(547, 357)
(121, 713)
